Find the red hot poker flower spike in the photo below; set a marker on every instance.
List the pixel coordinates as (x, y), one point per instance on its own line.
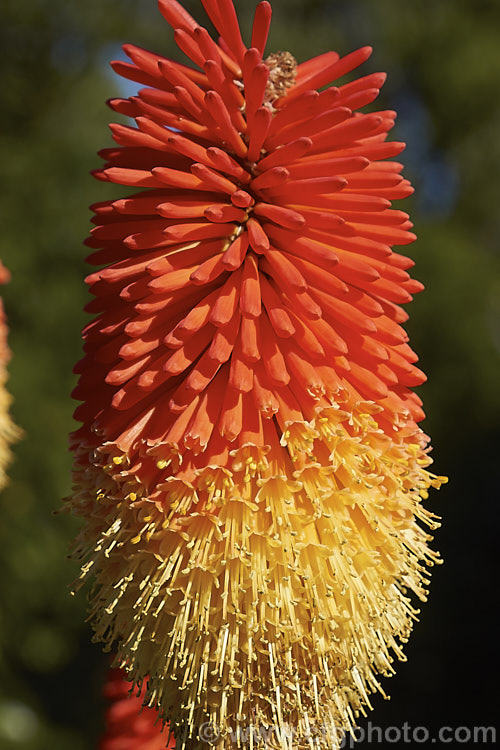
(249, 466)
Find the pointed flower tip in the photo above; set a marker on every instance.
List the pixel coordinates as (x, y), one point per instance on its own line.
(363, 53)
(175, 15)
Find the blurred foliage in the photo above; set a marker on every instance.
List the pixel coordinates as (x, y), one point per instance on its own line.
(443, 60)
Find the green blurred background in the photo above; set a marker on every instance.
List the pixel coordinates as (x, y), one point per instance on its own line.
(443, 60)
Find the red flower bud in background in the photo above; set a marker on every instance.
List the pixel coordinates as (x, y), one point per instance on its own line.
(129, 725)
(249, 466)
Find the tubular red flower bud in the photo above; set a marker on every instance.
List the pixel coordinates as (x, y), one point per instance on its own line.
(250, 466)
(129, 724)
